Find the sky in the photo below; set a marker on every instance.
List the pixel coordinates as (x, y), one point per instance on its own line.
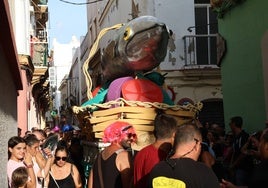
(66, 20)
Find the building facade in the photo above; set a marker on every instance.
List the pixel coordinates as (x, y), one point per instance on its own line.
(11, 83)
(24, 98)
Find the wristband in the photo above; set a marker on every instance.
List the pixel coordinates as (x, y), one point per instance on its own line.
(29, 165)
(50, 156)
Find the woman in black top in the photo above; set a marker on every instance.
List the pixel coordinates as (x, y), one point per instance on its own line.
(62, 173)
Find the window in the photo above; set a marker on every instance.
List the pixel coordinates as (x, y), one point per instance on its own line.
(205, 24)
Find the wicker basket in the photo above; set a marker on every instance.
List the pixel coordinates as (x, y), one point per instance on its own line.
(140, 114)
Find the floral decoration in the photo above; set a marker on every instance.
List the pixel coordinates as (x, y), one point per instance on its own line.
(222, 6)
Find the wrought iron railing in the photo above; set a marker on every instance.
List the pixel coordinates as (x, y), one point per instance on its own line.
(39, 54)
(200, 49)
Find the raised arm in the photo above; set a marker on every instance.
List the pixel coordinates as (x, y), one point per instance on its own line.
(29, 164)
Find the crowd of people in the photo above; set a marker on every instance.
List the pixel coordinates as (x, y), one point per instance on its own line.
(190, 155)
(42, 159)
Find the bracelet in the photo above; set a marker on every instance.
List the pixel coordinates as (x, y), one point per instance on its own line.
(28, 165)
(50, 156)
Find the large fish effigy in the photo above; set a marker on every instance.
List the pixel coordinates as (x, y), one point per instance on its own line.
(132, 89)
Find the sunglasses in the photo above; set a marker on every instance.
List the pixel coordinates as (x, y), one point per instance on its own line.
(126, 128)
(129, 135)
(60, 158)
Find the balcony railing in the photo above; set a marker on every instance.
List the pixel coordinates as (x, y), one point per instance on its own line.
(200, 50)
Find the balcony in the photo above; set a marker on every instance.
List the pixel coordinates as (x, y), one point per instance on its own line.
(40, 11)
(202, 54)
(39, 53)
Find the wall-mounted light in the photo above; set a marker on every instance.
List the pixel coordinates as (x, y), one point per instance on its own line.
(190, 29)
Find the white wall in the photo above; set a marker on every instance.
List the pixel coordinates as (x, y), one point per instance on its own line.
(178, 16)
(22, 26)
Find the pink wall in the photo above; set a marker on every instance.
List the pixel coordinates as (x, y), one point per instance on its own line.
(23, 101)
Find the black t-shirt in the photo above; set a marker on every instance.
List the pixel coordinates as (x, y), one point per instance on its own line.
(184, 173)
(239, 141)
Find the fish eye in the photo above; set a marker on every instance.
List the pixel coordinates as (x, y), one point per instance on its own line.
(128, 33)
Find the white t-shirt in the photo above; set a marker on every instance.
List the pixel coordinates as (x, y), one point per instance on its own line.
(11, 166)
(36, 169)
